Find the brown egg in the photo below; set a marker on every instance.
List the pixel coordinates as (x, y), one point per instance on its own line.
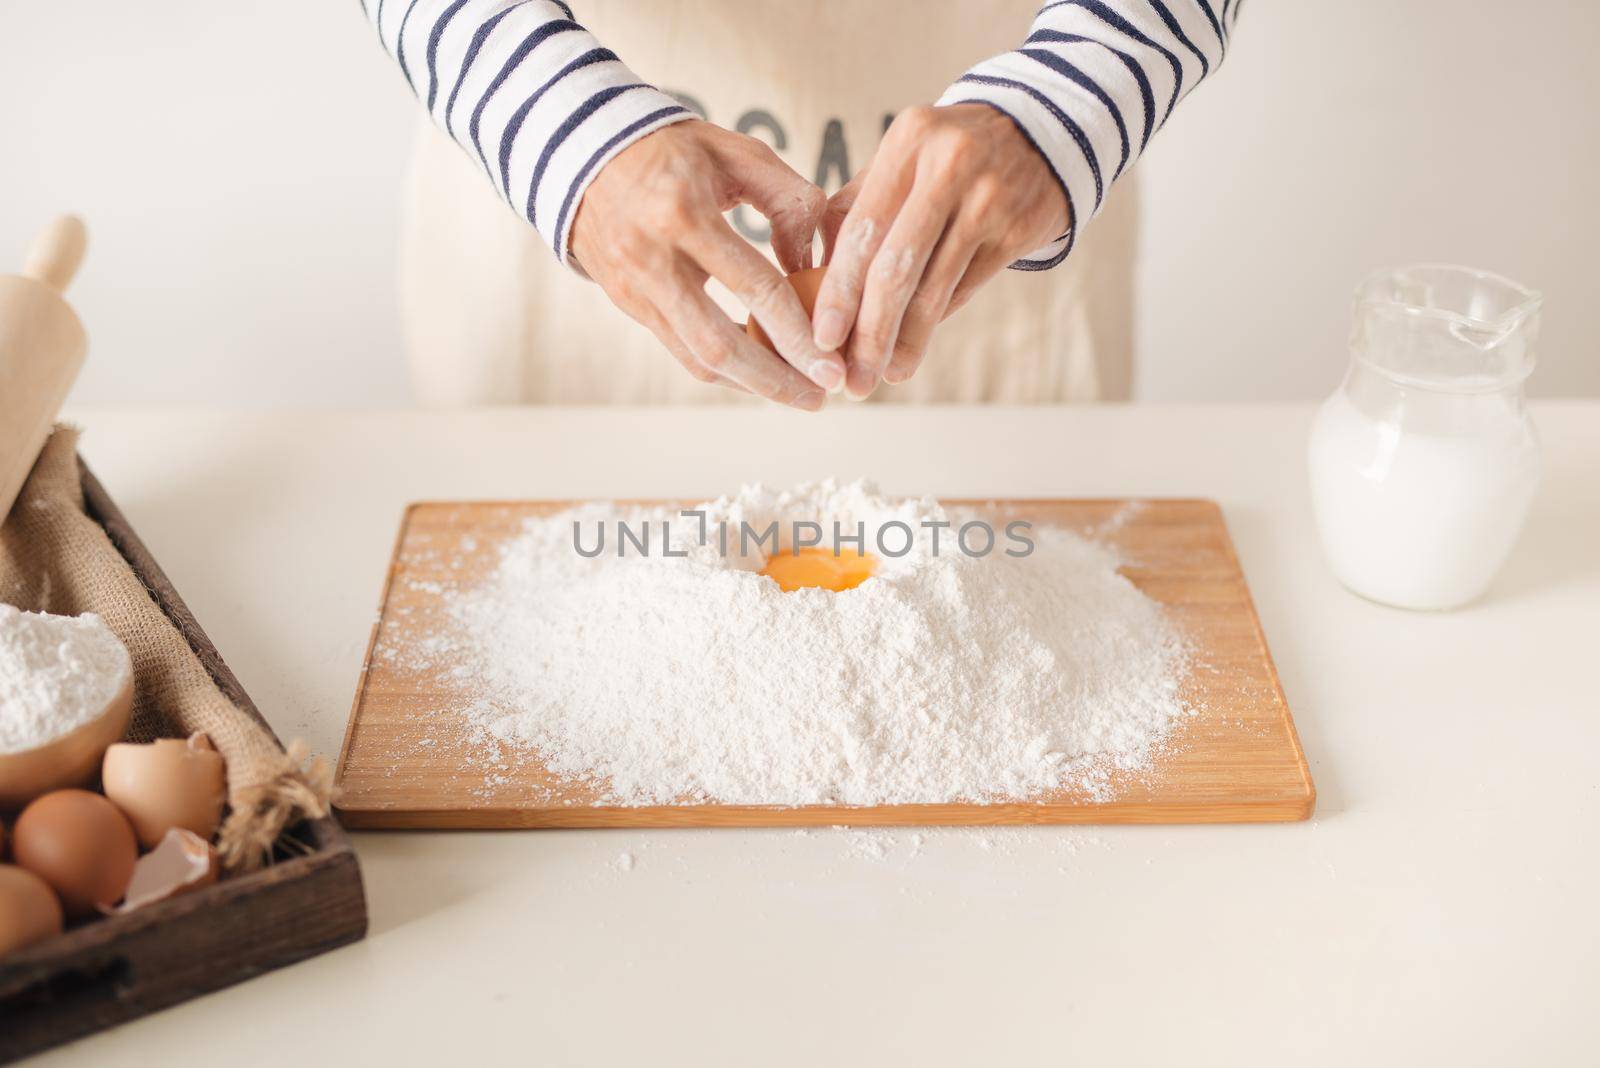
(805, 283)
(81, 845)
(168, 783)
(29, 911)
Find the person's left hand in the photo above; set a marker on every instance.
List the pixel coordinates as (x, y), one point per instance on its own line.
(952, 197)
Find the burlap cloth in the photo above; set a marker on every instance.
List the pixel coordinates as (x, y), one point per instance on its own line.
(54, 558)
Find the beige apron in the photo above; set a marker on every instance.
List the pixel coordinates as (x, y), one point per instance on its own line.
(490, 316)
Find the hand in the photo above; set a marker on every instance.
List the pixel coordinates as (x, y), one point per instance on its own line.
(952, 197)
(650, 231)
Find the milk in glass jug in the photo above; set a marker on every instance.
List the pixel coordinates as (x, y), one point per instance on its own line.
(1424, 462)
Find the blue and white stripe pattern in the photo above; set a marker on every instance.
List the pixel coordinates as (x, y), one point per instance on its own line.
(1091, 84)
(542, 106)
(530, 94)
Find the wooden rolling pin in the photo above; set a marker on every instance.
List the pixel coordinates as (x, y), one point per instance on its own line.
(42, 345)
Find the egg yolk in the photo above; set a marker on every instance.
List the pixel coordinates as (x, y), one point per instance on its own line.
(819, 569)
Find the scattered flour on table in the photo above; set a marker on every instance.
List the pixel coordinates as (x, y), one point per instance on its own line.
(944, 677)
(56, 674)
(1006, 854)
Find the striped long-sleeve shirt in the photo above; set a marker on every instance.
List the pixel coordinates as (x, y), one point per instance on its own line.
(543, 106)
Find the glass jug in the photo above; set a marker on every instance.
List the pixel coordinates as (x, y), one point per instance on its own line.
(1424, 462)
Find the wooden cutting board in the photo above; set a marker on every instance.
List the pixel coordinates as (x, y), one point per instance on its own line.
(408, 761)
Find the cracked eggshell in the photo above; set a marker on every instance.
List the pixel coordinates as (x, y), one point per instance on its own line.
(182, 862)
(165, 784)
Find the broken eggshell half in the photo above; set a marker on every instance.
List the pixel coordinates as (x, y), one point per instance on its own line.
(167, 783)
(183, 861)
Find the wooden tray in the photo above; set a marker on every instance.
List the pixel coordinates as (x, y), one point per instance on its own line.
(121, 967)
(407, 762)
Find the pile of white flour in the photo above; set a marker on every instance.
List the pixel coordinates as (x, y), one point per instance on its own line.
(943, 677)
(56, 674)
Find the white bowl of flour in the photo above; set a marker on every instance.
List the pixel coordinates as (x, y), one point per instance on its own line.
(66, 694)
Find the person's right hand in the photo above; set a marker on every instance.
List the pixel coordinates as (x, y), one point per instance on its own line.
(650, 231)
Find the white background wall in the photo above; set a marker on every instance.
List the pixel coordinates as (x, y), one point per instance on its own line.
(240, 163)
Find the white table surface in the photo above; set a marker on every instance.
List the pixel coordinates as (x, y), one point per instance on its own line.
(1440, 908)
